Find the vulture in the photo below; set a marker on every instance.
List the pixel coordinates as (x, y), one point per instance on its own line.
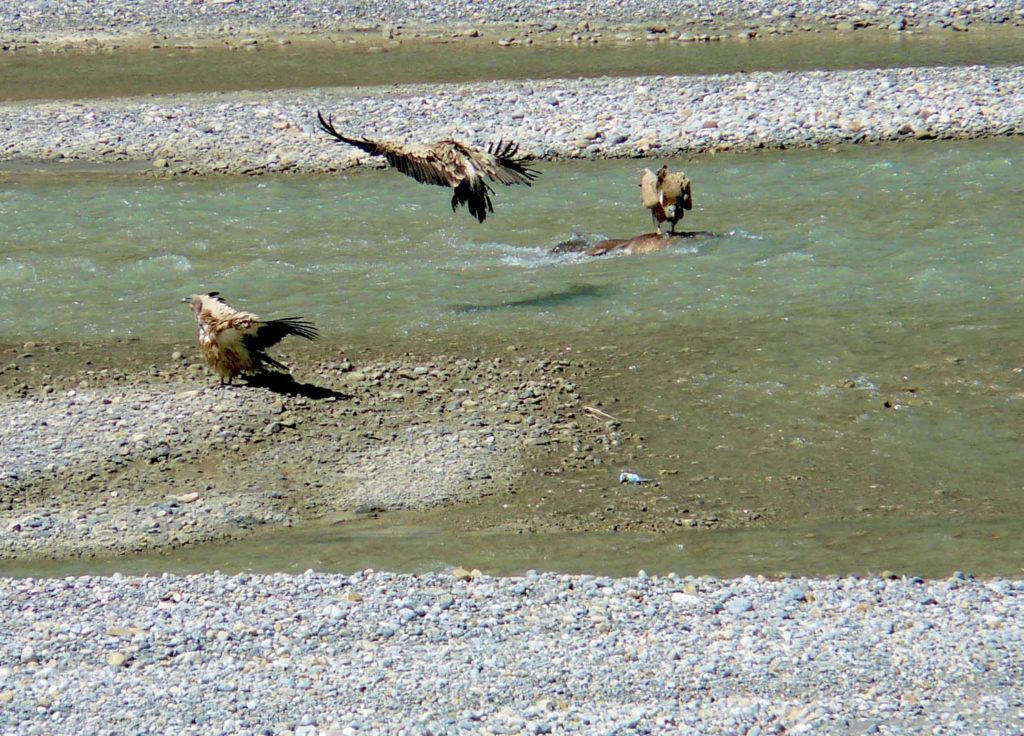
(235, 342)
(666, 196)
(449, 163)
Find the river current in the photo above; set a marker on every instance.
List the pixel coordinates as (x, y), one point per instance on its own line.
(838, 347)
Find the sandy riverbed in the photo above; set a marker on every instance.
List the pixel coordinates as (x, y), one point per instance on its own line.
(111, 450)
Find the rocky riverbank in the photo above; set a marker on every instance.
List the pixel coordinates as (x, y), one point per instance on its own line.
(377, 653)
(257, 133)
(267, 132)
(109, 460)
(72, 22)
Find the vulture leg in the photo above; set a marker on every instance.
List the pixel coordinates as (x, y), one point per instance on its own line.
(476, 198)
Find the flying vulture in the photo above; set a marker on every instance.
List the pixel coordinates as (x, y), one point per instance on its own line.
(449, 163)
(235, 342)
(666, 196)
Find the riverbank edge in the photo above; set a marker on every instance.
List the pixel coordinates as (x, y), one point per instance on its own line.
(267, 132)
(74, 29)
(345, 439)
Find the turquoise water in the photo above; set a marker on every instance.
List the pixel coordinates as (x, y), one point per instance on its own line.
(856, 239)
(841, 359)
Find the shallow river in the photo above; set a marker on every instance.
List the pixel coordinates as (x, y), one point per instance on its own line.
(29, 75)
(834, 374)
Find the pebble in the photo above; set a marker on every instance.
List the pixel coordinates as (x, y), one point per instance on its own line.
(740, 605)
(540, 653)
(795, 594)
(89, 493)
(733, 112)
(250, 24)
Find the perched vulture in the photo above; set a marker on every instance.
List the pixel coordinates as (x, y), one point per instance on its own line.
(235, 342)
(666, 196)
(450, 164)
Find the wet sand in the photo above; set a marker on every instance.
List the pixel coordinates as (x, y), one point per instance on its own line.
(147, 451)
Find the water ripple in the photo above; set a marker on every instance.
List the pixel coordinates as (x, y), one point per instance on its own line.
(156, 265)
(15, 272)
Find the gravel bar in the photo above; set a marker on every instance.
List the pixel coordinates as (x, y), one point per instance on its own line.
(171, 17)
(457, 652)
(265, 132)
(124, 463)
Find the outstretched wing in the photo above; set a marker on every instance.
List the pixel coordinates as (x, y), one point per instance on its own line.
(328, 127)
(425, 164)
(262, 335)
(257, 336)
(501, 163)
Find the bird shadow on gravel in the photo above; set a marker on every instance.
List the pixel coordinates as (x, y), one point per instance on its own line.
(285, 384)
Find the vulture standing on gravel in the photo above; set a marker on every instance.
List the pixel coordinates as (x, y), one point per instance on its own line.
(666, 196)
(235, 342)
(452, 164)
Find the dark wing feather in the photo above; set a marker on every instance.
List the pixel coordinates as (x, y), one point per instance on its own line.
(273, 331)
(510, 168)
(264, 359)
(367, 145)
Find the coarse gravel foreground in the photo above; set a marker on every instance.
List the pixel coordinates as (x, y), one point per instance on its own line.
(456, 652)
